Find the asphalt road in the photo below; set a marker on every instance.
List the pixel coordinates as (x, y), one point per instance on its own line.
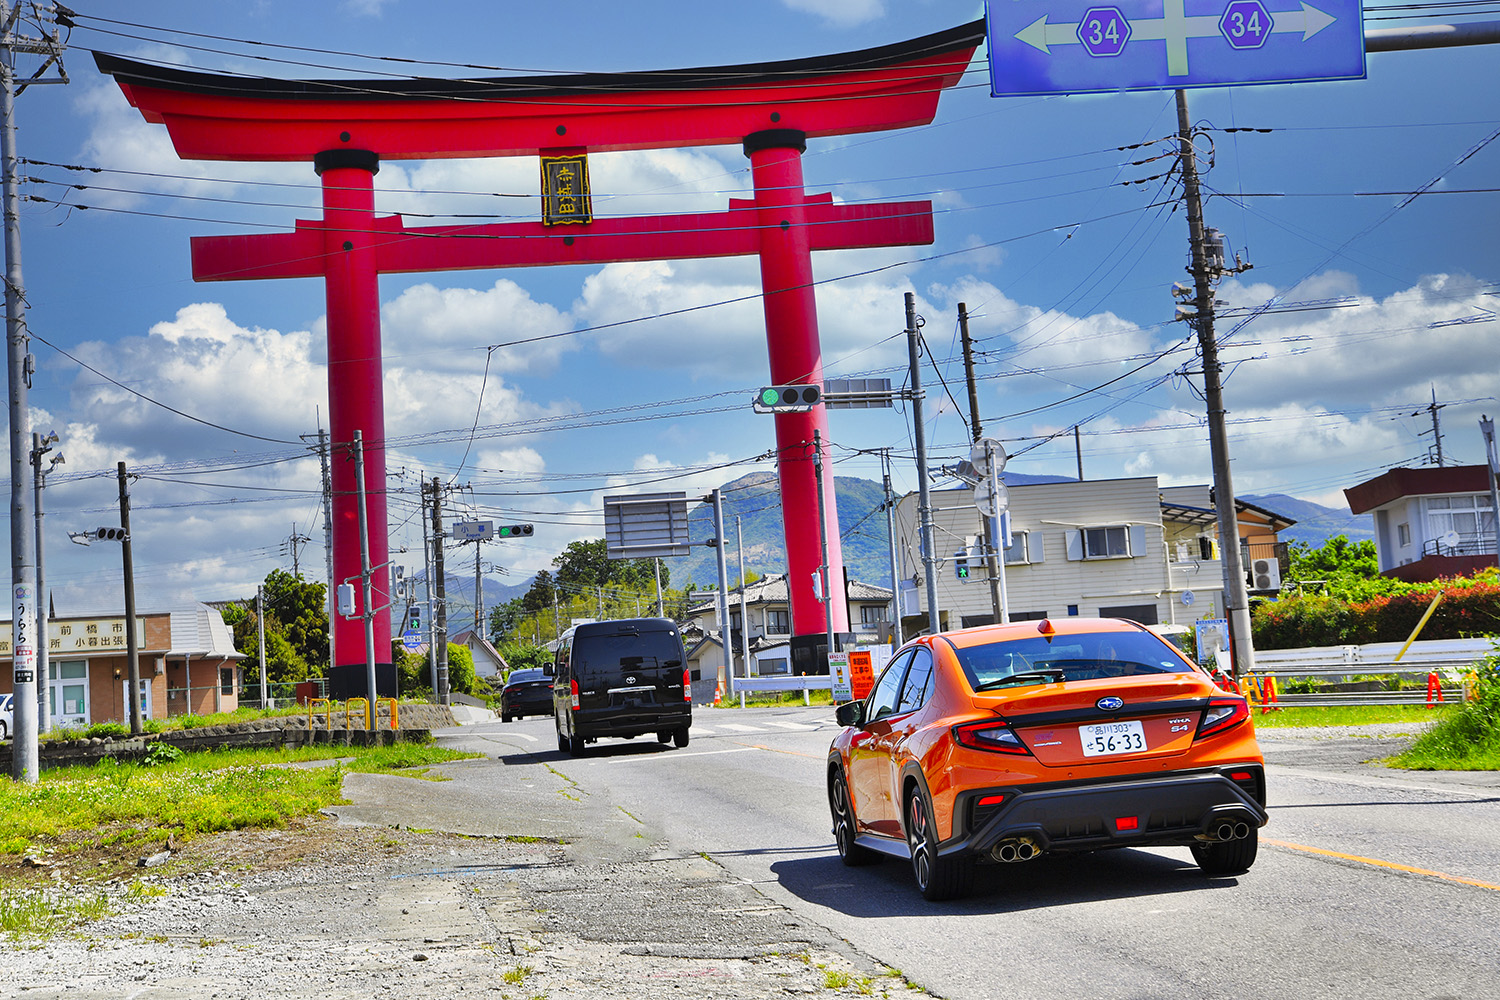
(1370, 882)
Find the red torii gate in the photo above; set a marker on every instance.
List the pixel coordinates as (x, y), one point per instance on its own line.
(345, 127)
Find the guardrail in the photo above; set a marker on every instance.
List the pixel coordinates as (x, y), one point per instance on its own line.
(1447, 659)
(782, 682)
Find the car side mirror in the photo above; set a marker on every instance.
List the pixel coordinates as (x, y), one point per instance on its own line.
(850, 713)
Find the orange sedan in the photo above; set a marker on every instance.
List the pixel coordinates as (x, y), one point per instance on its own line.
(1002, 743)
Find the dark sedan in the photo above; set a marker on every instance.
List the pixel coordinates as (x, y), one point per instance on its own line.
(526, 692)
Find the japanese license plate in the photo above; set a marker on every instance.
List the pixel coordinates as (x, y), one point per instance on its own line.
(1105, 738)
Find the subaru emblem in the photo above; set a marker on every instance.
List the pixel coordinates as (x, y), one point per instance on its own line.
(1110, 704)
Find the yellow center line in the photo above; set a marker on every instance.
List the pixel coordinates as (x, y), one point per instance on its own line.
(1381, 864)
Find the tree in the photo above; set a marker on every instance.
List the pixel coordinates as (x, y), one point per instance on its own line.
(299, 606)
(461, 674)
(1341, 568)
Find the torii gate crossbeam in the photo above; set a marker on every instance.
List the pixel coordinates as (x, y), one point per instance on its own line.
(346, 127)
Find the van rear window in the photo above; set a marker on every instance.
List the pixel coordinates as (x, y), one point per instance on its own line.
(648, 651)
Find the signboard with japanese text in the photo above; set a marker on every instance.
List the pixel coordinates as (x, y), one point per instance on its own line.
(565, 190)
(79, 636)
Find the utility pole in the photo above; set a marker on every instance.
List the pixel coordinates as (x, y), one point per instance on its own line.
(432, 663)
(1206, 269)
(39, 447)
(260, 638)
(825, 585)
(744, 610)
(993, 568)
(25, 751)
(366, 586)
(478, 591)
(919, 433)
(332, 587)
(717, 499)
(132, 641)
(1487, 428)
(1437, 432)
(890, 534)
(440, 607)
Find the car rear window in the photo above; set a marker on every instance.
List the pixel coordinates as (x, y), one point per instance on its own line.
(1085, 656)
(522, 676)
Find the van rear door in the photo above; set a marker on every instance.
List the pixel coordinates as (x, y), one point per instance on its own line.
(628, 672)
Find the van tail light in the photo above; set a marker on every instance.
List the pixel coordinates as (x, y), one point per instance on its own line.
(687, 685)
(573, 684)
(996, 737)
(1222, 714)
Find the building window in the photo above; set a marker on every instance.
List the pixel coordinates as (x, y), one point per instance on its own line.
(1470, 517)
(1403, 534)
(734, 620)
(226, 680)
(872, 614)
(778, 622)
(1019, 552)
(1115, 541)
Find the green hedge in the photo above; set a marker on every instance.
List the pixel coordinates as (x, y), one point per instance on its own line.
(1470, 607)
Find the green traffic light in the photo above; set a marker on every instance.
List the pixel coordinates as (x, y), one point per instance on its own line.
(770, 396)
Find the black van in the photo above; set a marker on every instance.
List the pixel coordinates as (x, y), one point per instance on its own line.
(621, 678)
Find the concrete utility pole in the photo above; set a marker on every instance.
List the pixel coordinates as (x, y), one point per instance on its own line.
(890, 533)
(1487, 428)
(132, 641)
(39, 447)
(991, 557)
(25, 759)
(366, 584)
(725, 684)
(1206, 269)
(440, 603)
(331, 589)
(744, 609)
(432, 659)
(825, 585)
(919, 433)
(260, 639)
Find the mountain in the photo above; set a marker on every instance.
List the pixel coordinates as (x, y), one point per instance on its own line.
(1315, 523)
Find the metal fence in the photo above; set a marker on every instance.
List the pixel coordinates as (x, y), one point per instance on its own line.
(1448, 659)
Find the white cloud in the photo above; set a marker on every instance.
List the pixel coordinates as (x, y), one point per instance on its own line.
(843, 13)
(449, 329)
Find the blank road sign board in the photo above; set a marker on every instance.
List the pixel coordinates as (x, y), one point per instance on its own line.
(1106, 46)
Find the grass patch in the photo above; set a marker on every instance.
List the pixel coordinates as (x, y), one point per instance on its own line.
(1467, 737)
(516, 974)
(1349, 715)
(44, 913)
(94, 822)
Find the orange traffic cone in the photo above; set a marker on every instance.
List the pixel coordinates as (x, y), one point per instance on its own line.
(1269, 699)
(718, 696)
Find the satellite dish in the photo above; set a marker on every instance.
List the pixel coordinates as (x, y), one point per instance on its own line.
(1450, 539)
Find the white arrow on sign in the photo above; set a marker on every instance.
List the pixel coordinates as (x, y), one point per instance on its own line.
(1310, 20)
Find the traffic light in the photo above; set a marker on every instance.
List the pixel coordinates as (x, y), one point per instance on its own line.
(513, 531)
(788, 398)
(961, 563)
(414, 619)
(110, 534)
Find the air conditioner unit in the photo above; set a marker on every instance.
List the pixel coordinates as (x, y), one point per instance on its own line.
(1265, 574)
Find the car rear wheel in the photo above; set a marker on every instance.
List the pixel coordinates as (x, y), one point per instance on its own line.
(504, 717)
(844, 826)
(680, 738)
(1232, 857)
(939, 878)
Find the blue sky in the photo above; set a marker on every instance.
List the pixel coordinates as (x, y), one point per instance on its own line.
(1064, 263)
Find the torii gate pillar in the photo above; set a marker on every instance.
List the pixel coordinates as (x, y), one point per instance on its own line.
(356, 400)
(791, 310)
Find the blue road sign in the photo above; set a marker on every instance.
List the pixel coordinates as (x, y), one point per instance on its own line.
(1078, 47)
(411, 640)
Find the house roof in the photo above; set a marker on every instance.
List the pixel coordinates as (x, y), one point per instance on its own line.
(199, 630)
(469, 637)
(1175, 507)
(1397, 483)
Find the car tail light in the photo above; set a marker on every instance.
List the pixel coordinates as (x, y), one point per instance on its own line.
(573, 684)
(996, 737)
(982, 808)
(1222, 714)
(1123, 823)
(687, 686)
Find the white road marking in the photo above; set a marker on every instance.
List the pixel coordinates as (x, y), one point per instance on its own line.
(675, 755)
(735, 727)
(794, 726)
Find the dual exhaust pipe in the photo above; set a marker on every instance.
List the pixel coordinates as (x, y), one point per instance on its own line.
(1016, 849)
(1226, 830)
